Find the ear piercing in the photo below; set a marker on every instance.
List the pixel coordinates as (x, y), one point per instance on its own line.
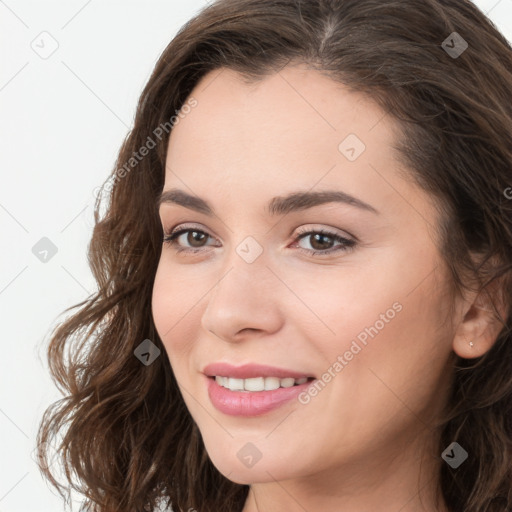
(471, 344)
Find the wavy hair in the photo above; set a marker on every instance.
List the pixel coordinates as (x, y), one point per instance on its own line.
(126, 439)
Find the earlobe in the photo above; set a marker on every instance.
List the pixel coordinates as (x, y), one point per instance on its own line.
(479, 328)
(469, 349)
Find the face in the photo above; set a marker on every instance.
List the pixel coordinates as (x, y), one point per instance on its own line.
(349, 293)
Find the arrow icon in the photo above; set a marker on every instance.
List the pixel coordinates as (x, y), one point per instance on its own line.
(249, 455)
(44, 250)
(45, 45)
(351, 147)
(147, 352)
(454, 45)
(247, 252)
(454, 455)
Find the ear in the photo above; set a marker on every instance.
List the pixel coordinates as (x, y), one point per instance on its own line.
(479, 325)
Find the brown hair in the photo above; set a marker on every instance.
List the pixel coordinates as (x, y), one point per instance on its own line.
(130, 438)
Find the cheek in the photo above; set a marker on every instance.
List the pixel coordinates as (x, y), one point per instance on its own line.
(404, 355)
(387, 325)
(173, 303)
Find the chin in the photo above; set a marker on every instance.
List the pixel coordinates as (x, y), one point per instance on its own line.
(262, 471)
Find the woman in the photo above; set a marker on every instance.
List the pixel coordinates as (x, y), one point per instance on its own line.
(303, 270)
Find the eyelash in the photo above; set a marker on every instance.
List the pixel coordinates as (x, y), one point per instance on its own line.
(347, 244)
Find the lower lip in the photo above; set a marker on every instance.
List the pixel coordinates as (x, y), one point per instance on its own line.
(250, 403)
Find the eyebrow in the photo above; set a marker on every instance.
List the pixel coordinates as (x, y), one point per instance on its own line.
(279, 205)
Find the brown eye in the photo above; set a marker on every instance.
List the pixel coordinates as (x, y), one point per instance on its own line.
(322, 241)
(192, 242)
(195, 238)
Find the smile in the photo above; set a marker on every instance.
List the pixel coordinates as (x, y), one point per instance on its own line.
(256, 400)
(258, 383)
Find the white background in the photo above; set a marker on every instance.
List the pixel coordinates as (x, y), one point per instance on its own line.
(63, 119)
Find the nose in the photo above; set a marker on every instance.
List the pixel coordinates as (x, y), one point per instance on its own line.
(244, 302)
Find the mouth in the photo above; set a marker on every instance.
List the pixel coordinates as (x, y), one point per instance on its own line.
(251, 371)
(255, 384)
(253, 389)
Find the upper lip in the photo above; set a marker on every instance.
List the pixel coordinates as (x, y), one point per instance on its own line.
(248, 371)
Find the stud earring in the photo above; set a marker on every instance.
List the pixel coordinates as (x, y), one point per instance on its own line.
(471, 344)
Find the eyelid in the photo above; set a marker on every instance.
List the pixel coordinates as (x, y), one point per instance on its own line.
(186, 225)
(300, 231)
(346, 243)
(334, 231)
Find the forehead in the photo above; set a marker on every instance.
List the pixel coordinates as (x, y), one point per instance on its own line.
(293, 130)
(292, 118)
(308, 104)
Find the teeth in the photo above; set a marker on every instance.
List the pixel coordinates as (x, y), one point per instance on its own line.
(272, 383)
(258, 383)
(235, 384)
(255, 384)
(288, 382)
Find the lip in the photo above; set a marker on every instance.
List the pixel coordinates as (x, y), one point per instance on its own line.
(248, 371)
(254, 403)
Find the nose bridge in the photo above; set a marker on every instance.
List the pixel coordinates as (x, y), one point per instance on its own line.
(242, 296)
(247, 261)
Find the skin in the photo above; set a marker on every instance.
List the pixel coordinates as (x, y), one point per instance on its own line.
(359, 444)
